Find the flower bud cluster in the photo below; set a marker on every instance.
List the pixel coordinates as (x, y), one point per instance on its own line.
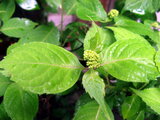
(113, 13)
(92, 58)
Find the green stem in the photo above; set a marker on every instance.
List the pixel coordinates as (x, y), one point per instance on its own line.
(62, 17)
(143, 86)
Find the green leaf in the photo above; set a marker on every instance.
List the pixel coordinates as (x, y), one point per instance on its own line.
(42, 67)
(98, 39)
(70, 6)
(95, 86)
(130, 60)
(156, 4)
(4, 82)
(28, 4)
(91, 10)
(17, 27)
(19, 104)
(130, 106)
(7, 8)
(54, 4)
(135, 27)
(43, 33)
(12, 46)
(138, 116)
(89, 111)
(124, 34)
(140, 6)
(84, 99)
(3, 114)
(151, 97)
(157, 59)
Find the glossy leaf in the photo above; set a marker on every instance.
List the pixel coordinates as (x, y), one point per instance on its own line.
(130, 60)
(7, 8)
(17, 27)
(151, 97)
(138, 116)
(4, 82)
(98, 39)
(91, 10)
(3, 114)
(43, 33)
(90, 111)
(28, 4)
(95, 86)
(19, 104)
(130, 106)
(135, 27)
(42, 67)
(140, 6)
(124, 34)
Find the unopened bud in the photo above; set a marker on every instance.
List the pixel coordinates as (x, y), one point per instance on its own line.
(92, 58)
(113, 13)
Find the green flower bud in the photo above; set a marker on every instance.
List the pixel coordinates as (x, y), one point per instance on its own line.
(92, 58)
(113, 13)
(155, 24)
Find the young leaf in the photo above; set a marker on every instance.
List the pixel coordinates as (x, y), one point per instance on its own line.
(3, 114)
(90, 111)
(42, 67)
(7, 8)
(135, 27)
(28, 4)
(91, 10)
(95, 86)
(19, 104)
(151, 97)
(43, 33)
(98, 39)
(130, 106)
(17, 27)
(131, 61)
(4, 82)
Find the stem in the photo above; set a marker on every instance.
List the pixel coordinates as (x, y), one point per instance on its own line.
(143, 86)
(108, 80)
(109, 86)
(62, 18)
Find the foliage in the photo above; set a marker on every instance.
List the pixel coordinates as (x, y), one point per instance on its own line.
(116, 60)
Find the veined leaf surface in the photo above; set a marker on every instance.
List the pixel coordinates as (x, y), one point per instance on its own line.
(91, 10)
(20, 104)
(90, 111)
(95, 86)
(42, 67)
(151, 97)
(17, 27)
(130, 60)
